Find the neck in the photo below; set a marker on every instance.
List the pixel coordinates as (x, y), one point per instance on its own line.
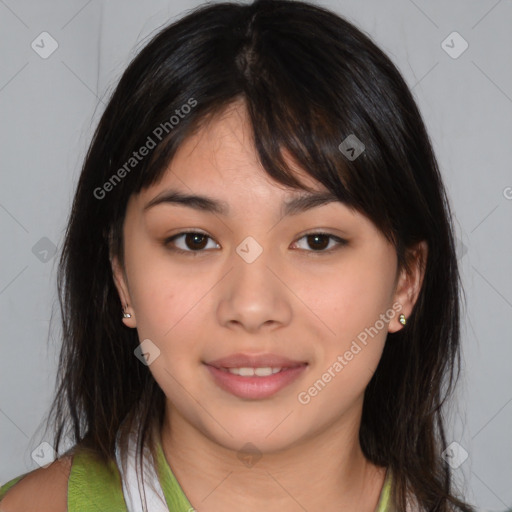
(325, 472)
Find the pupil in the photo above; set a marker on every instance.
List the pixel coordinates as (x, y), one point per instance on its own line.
(315, 244)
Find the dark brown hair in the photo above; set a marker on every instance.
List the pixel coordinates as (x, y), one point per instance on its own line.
(309, 79)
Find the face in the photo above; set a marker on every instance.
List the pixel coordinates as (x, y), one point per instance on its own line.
(259, 315)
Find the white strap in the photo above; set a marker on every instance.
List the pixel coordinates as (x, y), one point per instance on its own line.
(132, 484)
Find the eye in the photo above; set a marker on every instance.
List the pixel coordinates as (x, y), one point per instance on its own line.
(189, 241)
(319, 242)
(195, 242)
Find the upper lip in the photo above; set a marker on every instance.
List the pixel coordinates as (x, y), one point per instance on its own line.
(255, 361)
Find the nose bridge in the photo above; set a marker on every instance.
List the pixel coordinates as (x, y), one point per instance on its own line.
(252, 296)
(254, 258)
(251, 275)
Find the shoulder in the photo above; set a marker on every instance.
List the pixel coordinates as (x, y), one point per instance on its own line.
(41, 489)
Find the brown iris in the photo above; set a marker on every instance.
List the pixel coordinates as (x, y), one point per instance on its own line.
(318, 241)
(196, 240)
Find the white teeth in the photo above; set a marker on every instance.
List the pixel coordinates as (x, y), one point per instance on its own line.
(263, 372)
(251, 372)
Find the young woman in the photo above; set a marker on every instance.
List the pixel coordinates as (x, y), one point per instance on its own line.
(259, 288)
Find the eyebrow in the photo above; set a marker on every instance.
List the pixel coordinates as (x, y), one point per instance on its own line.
(292, 206)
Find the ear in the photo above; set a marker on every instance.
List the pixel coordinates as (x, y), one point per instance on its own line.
(120, 281)
(409, 283)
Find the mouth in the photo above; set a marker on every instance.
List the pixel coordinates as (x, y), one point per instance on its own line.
(263, 371)
(254, 376)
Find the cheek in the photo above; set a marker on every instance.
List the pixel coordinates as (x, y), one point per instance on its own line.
(167, 305)
(163, 294)
(353, 296)
(350, 350)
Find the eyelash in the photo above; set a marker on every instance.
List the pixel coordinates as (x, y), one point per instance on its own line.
(340, 241)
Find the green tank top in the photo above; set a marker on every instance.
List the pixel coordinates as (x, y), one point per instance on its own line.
(93, 483)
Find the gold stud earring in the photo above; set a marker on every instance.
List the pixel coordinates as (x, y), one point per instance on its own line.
(125, 314)
(402, 319)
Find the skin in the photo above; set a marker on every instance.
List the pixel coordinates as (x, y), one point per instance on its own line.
(41, 489)
(292, 300)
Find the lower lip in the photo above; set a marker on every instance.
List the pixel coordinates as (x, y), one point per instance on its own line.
(255, 387)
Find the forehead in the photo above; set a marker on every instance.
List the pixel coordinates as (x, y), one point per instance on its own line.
(221, 156)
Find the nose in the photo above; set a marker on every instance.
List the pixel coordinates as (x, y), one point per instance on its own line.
(253, 295)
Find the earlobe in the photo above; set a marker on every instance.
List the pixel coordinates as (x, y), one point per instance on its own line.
(409, 285)
(119, 277)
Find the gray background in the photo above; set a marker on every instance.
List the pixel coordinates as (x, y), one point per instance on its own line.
(49, 107)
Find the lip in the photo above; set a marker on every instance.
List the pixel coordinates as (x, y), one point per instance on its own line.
(255, 388)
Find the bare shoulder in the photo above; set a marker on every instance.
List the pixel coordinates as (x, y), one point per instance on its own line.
(42, 489)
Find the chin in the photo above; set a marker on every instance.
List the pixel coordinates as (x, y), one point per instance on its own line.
(265, 434)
